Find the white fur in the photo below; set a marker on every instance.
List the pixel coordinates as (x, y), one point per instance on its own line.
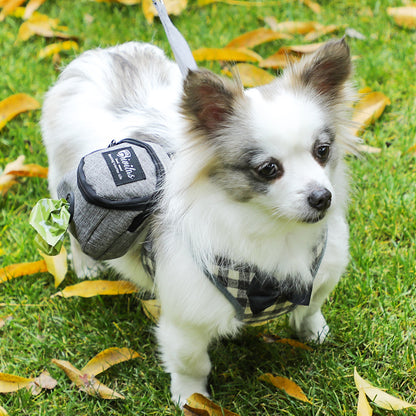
(196, 218)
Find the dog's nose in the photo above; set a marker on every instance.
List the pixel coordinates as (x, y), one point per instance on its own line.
(320, 199)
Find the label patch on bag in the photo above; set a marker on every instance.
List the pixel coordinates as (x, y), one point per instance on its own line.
(124, 166)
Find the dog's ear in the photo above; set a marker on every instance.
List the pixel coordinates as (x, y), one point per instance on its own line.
(327, 69)
(208, 100)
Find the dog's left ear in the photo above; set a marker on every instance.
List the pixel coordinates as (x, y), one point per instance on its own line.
(328, 69)
(208, 100)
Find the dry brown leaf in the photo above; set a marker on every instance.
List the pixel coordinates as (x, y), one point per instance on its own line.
(4, 320)
(379, 396)
(226, 54)
(256, 37)
(22, 269)
(14, 105)
(91, 288)
(363, 407)
(10, 382)
(42, 25)
(403, 16)
(251, 75)
(9, 7)
(191, 411)
(175, 7)
(151, 309)
(31, 7)
(3, 411)
(199, 402)
(44, 381)
(369, 109)
(288, 386)
(57, 265)
(108, 358)
(86, 383)
(54, 48)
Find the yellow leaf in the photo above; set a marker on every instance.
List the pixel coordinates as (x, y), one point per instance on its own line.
(108, 358)
(22, 269)
(288, 341)
(320, 31)
(363, 407)
(369, 109)
(6, 179)
(31, 170)
(226, 54)
(302, 49)
(57, 265)
(246, 3)
(10, 382)
(404, 16)
(280, 59)
(14, 105)
(256, 37)
(412, 149)
(288, 386)
(291, 27)
(3, 411)
(31, 7)
(315, 7)
(9, 7)
(42, 25)
(252, 76)
(54, 48)
(91, 288)
(378, 396)
(151, 308)
(198, 401)
(86, 383)
(175, 7)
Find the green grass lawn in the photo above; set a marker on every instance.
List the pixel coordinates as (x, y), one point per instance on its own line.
(372, 313)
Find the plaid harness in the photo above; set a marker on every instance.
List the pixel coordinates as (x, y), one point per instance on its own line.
(256, 296)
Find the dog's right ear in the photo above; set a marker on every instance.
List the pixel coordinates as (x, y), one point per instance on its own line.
(208, 100)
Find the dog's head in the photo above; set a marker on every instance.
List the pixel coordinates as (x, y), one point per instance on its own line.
(277, 146)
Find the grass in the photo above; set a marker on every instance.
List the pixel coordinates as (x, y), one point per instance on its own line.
(372, 313)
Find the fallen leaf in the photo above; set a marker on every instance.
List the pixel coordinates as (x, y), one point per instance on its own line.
(57, 265)
(10, 382)
(3, 411)
(403, 16)
(256, 37)
(175, 7)
(302, 49)
(315, 7)
(363, 407)
(280, 59)
(42, 25)
(14, 105)
(86, 383)
(44, 381)
(108, 358)
(378, 396)
(54, 48)
(191, 411)
(288, 386)
(368, 109)
(31, 7)
(151, 308)
(9, 7)
(226, 54)
(91, 288)
(320, 31)
(363, 148)
(412, 149)
(198, 401)
(251, 75)
(237, 2)
(22, 269)
(30, 170)
(4, 320)
(291, 27)
(288, 341)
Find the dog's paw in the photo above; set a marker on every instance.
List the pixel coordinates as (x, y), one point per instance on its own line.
(184, 386)
(84, 266)
(311, 328)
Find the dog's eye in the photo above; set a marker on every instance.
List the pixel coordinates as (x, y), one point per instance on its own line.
(270, 170)
(322, 153)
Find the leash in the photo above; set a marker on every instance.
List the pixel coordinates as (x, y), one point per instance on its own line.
(178, 44)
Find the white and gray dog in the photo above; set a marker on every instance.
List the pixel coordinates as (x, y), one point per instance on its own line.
(251, 221)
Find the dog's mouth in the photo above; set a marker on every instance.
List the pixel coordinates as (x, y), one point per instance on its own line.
(314, 217)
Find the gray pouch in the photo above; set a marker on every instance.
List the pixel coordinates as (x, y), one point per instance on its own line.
(111, 195)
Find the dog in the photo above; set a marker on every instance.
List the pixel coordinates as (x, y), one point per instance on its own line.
(251, 221)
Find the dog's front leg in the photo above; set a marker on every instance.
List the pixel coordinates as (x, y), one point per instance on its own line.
(184, 350)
